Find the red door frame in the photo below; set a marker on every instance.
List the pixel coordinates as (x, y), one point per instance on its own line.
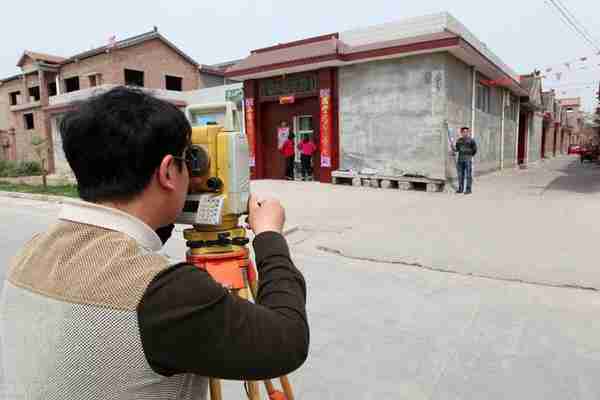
(327, 79)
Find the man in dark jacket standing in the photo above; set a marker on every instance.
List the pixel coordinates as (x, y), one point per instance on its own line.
(466, 149)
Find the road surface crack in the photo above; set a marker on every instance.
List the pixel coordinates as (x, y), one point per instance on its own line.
(455, 272)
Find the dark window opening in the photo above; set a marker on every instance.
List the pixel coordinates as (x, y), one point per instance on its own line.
(34, 93)
(14, 98)
(483, 98)
(28, 118)
(134, 78)
(52, 89)
(72, 84)
(174, 83)
(420, 186)
(93, 80)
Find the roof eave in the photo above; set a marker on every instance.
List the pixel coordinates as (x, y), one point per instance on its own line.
(123, 44)
(405, 50)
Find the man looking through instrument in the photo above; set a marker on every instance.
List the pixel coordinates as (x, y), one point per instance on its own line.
(89, 308)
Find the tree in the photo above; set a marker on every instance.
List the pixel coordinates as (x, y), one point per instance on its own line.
(40, 147)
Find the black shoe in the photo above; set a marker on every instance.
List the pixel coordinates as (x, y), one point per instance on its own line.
(459, 191)
(468, 192)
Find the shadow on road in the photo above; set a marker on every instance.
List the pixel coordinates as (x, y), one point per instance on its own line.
(579, 178)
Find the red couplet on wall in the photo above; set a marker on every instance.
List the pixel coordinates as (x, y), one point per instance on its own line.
(326, 131)
(251, 131)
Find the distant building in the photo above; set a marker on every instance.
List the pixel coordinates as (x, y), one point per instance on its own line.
(32, 102)
(531, 138)
(383, 98)
(573, 122)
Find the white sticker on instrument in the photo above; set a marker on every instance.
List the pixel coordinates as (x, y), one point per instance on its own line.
(209, 209)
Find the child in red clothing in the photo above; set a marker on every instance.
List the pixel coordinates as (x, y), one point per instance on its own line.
(307, 148)
(288, 152)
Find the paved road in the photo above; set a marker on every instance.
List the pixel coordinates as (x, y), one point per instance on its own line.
(391, 331)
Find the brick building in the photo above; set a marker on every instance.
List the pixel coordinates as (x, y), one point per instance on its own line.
(32, 101)
(551, 125)
(573, 121)
(531, 138)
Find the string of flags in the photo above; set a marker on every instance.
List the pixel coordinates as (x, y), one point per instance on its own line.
(558, 71)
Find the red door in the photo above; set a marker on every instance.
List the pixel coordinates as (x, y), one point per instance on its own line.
(272, 113)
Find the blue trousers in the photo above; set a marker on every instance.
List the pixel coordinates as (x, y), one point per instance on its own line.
(465, 173)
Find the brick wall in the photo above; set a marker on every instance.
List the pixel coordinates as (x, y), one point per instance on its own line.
(24, 136)
(4, 108)
(153, 57)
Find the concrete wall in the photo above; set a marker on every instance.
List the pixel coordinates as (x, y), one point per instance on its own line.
(392, 115)
(511, 133)
(549, 144)
(459, 78)
(535, 138)
(208, 80)
(488, 134)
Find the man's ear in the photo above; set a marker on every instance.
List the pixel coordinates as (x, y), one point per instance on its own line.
(165, 173)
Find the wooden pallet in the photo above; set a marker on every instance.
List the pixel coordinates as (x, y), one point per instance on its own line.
(387, 182)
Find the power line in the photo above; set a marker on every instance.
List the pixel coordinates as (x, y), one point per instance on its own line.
(569, 22)
(567, 14)
(578, 22)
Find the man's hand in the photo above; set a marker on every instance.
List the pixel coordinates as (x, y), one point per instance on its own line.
(265, 215)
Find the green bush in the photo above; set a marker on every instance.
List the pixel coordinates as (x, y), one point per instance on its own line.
(9, 169)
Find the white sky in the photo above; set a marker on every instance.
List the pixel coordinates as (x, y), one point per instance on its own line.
(526, 34)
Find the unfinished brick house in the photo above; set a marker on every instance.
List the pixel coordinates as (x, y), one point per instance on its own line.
(32, 102)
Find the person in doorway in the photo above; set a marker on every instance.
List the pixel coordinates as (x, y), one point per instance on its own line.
(290, 156)
(282, 133)
(307, 148)
(466, 147)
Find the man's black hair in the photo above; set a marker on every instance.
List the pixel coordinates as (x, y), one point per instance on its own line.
(115, 141)
(465, 128)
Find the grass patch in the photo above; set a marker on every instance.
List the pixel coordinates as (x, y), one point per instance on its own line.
(55, 190)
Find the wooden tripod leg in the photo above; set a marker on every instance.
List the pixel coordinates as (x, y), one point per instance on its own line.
(215, 389)
(253, 390)
(287, 388)
(269, 386)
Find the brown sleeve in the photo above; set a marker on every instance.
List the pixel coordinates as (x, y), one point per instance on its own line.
(191, 324)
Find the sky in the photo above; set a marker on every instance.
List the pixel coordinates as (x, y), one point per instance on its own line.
(525, 34)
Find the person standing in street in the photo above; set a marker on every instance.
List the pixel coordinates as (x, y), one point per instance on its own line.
(290, 156)
(466, 147)
(307, 148)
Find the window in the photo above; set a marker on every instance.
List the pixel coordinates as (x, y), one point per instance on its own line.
(134, 78)
(14, 98)
(173, 83)
(34, 93)
(512, 107)
(483, 97)
(28, 119)
(52, 89)
(93, 80)
(72, 84)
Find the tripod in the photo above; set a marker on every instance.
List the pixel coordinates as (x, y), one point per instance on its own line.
(223, 253)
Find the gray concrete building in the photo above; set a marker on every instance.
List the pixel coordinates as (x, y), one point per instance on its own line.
(399, 93)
